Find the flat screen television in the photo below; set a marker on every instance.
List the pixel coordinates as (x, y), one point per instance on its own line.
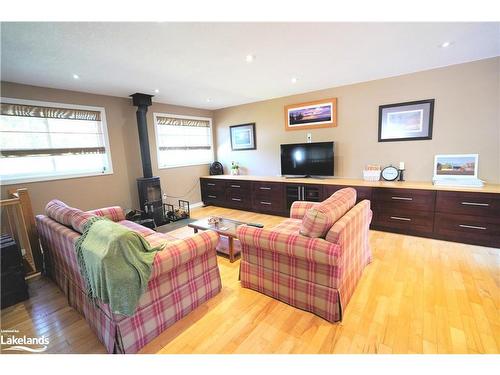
(307, 159)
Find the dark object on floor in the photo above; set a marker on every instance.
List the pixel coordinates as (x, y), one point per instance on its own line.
(174, 225)
(14, 288)
(173, 214)
(149, 223)
(216, 168)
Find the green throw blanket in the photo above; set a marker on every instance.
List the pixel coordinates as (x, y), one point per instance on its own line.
(115, 262)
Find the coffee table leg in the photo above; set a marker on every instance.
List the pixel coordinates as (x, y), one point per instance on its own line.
(195, 230)
(231, 250)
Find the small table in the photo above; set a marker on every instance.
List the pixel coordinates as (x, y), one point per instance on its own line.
(225, 227)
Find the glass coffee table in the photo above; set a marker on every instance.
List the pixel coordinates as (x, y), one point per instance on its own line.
(225, 227)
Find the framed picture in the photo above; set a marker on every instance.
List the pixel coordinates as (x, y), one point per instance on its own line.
(410, 121)
(242, 137)
(311, 115)
(457, 166)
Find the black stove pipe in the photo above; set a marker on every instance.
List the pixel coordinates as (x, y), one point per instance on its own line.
(143, 101)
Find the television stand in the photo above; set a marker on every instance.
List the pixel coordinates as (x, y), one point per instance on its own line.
(298, 176)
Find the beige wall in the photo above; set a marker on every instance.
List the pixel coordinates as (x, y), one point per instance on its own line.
(120, 188)
(466, 120)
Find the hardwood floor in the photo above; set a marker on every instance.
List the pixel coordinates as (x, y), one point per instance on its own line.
(417, 296)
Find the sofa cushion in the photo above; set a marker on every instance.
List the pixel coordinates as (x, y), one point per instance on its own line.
(318, 220)
(79, 219)
(288, 226)
(60, 212)
(142, 230)
(114, 213)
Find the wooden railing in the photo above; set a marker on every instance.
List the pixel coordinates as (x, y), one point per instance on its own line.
(18, 220)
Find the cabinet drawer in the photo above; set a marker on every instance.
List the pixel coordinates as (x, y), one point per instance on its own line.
(213, 197)
(404, 221)
(403, 199)
(238, 199)
(238, 186)
(268, 205)
(213, 185)
(477, 204)
(467, 228)
(362, 192)
(267, 188)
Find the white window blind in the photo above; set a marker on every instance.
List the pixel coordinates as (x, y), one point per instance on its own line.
(44, 141)
(183, 140)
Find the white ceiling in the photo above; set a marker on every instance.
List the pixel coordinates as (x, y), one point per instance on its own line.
(190, 62)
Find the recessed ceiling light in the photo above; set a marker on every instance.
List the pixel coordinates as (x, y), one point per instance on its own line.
(445, 44)
(294, 80)
(157, 91)
(250, 58)
(76, 76)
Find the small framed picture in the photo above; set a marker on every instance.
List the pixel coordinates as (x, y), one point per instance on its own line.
(311, 115)
(455, 166)
(242, 137)
(410, 121)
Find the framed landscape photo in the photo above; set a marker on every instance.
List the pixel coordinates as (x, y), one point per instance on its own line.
(458, 166)
(242, 137)
(311, 115)
(410, 121)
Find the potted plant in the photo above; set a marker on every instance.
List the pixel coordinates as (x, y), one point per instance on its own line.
(235, 168)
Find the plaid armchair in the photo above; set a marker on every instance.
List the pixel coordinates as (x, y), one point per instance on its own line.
(314, 274)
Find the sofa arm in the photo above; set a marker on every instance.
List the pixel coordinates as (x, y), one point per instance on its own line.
(315, 250)
(114, 213)
(179, 252)
(299, 208)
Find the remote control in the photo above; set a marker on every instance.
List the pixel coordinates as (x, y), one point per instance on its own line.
(255, 225)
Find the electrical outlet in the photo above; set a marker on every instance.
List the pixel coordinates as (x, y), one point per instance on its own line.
(309, 137)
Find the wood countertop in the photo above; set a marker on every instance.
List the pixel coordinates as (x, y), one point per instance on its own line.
(424, 185)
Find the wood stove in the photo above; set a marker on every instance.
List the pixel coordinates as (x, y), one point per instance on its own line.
(149, 187)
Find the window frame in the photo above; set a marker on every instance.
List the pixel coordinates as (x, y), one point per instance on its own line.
(209, 119)
(107, 146)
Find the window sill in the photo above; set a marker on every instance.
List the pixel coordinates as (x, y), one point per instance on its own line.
(52, 178)
(185, 165)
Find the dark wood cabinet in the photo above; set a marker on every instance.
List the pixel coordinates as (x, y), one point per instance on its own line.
(463, 216)
(468, 217)
(303, 192)
(268, 197)
(238, 194)
(407, 211)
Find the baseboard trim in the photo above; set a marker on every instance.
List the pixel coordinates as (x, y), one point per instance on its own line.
(196, 205)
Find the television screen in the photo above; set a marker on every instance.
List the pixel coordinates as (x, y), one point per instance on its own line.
(307, 159)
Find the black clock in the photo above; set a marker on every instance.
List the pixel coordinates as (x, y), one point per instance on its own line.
(390, 173)
(216, 168)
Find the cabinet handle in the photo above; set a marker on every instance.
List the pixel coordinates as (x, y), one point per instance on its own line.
(264, 188)
(236, 199)
(400, 218)
(266, 203)
(475, 204)
(212, 196)
(471, 227)
(402, 198)
(236, 186)
(210, 184)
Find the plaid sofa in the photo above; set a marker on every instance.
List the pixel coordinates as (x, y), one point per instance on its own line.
(184, 275)
(314, 274)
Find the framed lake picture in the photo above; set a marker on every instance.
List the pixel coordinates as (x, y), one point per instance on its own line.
(242, 137)
(410, 121)
(311, 115)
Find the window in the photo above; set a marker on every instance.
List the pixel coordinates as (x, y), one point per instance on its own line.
(46, 141)
(183, 140)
